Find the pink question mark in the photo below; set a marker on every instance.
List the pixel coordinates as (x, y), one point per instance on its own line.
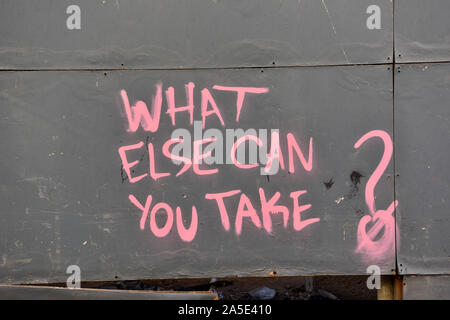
(384, 246)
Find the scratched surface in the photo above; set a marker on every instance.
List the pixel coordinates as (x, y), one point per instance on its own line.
(199, 33)
(422, 30)
(426, 288)
(64, 197)
(422, 129)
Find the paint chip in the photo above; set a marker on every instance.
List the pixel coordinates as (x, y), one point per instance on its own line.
(339, 200)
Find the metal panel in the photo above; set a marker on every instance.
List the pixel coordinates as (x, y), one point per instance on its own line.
(64, 195)
(422, 30)
(55, 293)
(426, 288)
(198, 33)
(422, 129)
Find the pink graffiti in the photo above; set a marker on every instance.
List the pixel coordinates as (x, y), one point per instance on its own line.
(151, 155)
(189, 233)
(275, 152)
(172, 110)
(269, 207)
(197, 157)
(241, 91)
(298, 223)
(208, 99)
(185, 234)
(164, 231)
(221, 205)
(292, 145)
(383, 247)
(247, 210)
(169, 155)
(139, 114)
(128, 165)
(236, 145)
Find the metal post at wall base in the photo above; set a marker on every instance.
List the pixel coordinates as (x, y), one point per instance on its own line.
(391, 288)
(398, 287)
(386, 291)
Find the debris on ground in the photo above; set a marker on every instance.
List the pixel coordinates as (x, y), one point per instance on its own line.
(262, 293)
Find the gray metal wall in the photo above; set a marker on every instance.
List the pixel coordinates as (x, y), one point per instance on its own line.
(426, 287)
(422, 131)
(192, 34)
(64, 194)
